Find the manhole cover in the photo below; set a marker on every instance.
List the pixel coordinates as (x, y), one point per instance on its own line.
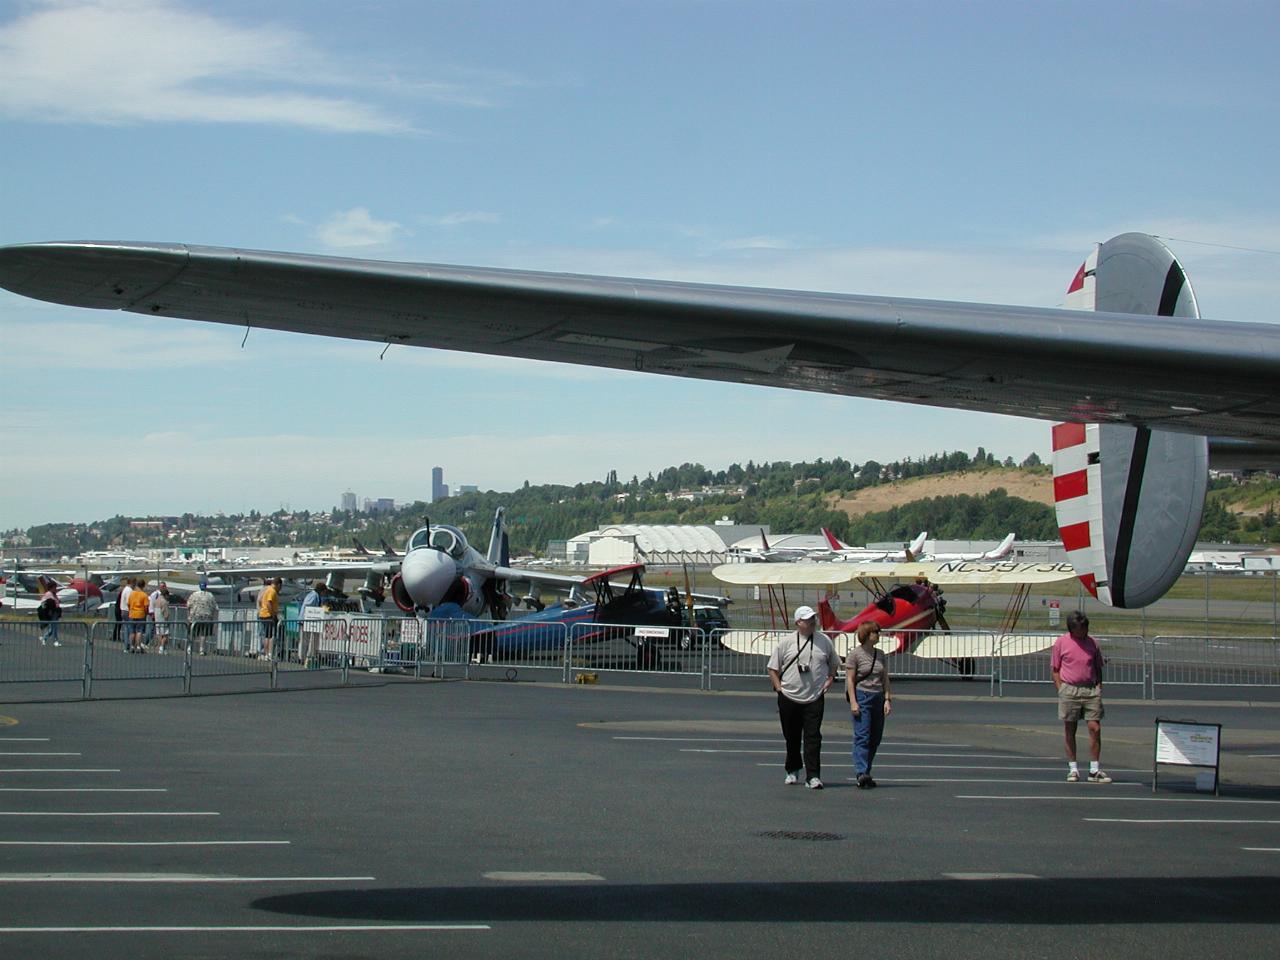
(799, 835)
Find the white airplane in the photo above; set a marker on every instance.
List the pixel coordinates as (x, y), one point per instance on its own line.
(843, 552)
(770, 554)
(1139, 386)
(997, 553)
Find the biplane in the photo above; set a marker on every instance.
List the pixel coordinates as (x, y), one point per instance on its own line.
(906, 601)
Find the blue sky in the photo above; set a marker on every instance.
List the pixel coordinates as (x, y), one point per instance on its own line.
(968, 151)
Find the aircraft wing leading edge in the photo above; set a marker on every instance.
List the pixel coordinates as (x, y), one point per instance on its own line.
(1181, 374)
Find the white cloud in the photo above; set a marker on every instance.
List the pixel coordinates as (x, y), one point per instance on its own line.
(357, 228)
(458, 218)
(757, 243)
(137, 61)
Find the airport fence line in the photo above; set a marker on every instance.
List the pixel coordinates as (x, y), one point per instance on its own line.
(193, 655)
(1214, 662)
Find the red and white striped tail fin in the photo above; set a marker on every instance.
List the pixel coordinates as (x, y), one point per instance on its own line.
(1077, 499)
(832, 540)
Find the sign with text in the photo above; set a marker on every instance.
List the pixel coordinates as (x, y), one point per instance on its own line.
(1185, 743)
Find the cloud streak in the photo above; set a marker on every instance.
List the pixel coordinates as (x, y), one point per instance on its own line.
(114, 62)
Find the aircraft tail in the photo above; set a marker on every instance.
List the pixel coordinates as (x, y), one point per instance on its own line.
(832, 540)
(827, 616)
(1002, 551)
(496, 539)
(360, 547)
(764, 541)
(916, 545)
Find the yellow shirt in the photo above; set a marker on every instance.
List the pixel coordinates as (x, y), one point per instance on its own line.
(268, 601)
(138, 604)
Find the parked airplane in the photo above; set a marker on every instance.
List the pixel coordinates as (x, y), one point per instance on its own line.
(1140, 386)
(997, 553)
(842, 551)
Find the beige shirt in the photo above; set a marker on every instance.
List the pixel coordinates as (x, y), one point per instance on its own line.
(803, 680)
(868, 667)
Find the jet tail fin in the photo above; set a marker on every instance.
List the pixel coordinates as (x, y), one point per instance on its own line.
(496, 538)
(832, 540)
(764, 542)
(917, 544)
(1006, 545)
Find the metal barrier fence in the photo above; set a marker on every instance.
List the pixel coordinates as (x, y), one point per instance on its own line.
(1214, 662)
(191, 655)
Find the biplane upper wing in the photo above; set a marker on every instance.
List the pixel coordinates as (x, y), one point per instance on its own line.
(957, 572)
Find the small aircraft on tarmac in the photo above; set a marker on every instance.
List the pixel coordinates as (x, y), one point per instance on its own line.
(913, 609)
(843, 552)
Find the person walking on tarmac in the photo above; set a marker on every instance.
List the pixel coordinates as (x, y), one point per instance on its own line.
(802, 669)
(866, 678)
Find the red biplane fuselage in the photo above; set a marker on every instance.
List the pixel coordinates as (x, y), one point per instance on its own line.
(908, 608)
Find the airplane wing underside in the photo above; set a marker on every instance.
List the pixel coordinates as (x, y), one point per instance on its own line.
(1190, 375)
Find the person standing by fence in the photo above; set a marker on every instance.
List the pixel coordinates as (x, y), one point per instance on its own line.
(202, 614)
(268, 610)
(866, 679)
(161, 611)
(49, 612)
(1076, 665)
(139, 604)
(802, 669)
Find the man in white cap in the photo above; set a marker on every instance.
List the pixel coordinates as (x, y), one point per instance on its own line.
(801, 669)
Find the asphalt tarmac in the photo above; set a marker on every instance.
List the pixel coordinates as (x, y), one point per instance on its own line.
(410, 819)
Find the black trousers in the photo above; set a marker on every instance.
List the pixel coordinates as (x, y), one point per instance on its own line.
(802, 721)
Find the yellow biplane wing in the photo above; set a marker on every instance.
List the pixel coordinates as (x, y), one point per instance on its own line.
(947, 573)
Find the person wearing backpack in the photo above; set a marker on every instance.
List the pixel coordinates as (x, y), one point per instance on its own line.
(866, 678)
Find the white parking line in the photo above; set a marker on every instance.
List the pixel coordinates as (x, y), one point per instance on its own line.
(84, 789)
(110, 813)
(28, 753)
(298, 928)
(887, 753)
(1263, 756)
(959, 766)
(1262, 849)
(780, 743)
(978, 780)
(1094, 794)
(161, 878)
(991, 876)
(143, 843)
(24, 739)
(1183, 820)
(57, 770)
(523, 876)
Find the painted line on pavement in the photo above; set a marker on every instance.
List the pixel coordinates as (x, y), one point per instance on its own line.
(84, 789)
(1262, 849)
(28, 753)
(24, 739)
(890, 753)
(780, 743)
(161, 878)
(991, 876)
(110, 813)
(56, 770)
(958, 766)
(298, 928)
(143, 843)
(979, 780)
(1183, 820)
(524, 876)
(1099, 795)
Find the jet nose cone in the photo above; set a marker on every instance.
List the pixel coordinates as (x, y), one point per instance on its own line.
(427, 575)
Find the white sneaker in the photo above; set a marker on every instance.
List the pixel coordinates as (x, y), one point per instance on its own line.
(1073, 776)
(791, 780)
(814, 783)
(1097, 776)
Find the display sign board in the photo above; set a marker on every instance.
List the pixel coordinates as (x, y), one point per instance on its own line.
(1185, 743)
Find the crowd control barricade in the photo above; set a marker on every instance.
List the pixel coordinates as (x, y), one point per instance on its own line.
(111, 659)
(740, 653)
(1024, 658)
(1214, 662)
(496, 648)
(593, 648)
(44, 651)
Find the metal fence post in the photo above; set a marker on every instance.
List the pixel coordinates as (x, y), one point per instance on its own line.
(86, 689)
(186, 668)
(564, 676)
(275, 672)
(706, 659)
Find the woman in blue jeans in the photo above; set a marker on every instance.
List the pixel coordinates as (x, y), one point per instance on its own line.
(866, 680)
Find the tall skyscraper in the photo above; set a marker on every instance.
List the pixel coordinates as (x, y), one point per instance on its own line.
(349, 502)
(439, 491)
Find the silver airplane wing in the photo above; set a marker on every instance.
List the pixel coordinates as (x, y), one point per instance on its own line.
(1188, 375)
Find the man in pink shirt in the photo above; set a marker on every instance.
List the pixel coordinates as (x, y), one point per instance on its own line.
(1077, 673)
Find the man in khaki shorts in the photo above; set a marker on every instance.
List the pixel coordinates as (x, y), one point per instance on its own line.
(1077, 673)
